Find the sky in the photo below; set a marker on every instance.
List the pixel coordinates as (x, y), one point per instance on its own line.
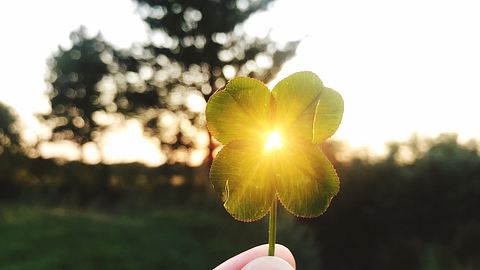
(402, 67)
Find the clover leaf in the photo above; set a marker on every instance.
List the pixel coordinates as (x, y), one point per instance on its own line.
(271, 146)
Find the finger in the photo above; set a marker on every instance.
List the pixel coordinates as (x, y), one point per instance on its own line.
(268, 262)
(242, 259)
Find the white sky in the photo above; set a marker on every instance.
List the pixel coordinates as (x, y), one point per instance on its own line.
(402, 66)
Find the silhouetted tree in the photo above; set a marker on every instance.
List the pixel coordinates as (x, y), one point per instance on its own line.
(10, 151)
(195, 47)
(74, 89)
(9, 136)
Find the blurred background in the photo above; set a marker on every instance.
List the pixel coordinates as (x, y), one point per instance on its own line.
(104, 153)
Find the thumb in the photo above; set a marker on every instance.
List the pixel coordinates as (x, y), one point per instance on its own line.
(268, 263)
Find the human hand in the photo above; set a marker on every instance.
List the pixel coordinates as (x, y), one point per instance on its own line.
(256, 259)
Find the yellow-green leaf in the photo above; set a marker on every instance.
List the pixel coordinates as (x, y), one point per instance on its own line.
(305, 180)
(242, 110)
(328, 115)
(242, 175)
(296, 98)
(271, 146)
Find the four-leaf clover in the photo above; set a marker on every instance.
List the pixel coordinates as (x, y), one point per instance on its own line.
(271, 145)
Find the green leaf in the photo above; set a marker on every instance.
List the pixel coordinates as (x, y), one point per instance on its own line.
(305, 180)
(296, 98)
(240, 111)
(328, 115)
(242, 175)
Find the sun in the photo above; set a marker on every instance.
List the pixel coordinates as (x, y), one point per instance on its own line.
(274, 141)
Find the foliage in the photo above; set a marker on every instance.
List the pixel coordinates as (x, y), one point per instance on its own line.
(196, 46)
(416, 208)
(80, 185)
(248, 173)
(76, 99)
(9, 136)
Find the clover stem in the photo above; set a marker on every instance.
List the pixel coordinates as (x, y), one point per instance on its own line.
(272, 228)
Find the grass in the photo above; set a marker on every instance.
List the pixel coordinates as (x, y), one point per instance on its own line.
(58, 238)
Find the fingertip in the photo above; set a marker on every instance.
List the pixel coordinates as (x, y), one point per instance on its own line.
(285, 253)
(268, 262)
(242, 259)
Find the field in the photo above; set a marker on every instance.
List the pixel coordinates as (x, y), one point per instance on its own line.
(58, 238)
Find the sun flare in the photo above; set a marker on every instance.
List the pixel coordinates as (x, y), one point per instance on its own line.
(274, 141)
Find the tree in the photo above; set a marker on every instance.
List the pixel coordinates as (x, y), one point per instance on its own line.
(9, 136)
(195, 47)
(74, 92)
